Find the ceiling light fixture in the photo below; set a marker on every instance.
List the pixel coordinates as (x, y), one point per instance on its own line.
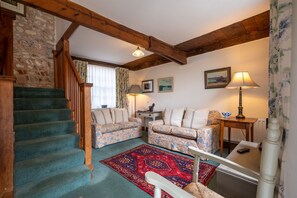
(138, 53)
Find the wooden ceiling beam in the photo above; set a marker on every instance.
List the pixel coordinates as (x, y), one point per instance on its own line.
(250, 29)
(96, 62)
(67, 34)
(75, 13)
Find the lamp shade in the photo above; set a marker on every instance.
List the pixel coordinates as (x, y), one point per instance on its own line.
(135, 90)
(138, 53)
(242, 79)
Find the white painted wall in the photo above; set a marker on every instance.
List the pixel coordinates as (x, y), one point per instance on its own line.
(189, 81)
(291, 157)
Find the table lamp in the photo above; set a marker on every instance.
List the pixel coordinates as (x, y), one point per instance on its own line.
(241, 80)
(134, 90)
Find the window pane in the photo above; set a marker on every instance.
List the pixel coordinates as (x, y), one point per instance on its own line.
(104, 86)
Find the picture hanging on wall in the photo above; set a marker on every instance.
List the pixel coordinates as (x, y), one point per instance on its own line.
(14, 6)
(147, 86)
(217, 78)
(165, 85)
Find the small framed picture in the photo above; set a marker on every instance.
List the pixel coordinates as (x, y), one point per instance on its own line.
(147, 86)
(217, 78)
(14, 6)
(165, 85)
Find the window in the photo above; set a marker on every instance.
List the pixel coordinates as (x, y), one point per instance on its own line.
(104, 86)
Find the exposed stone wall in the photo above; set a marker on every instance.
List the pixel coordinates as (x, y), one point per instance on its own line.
(33, 42)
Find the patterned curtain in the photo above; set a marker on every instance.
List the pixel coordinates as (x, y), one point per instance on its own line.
(81, 67)
(122, 85)
(279, 70)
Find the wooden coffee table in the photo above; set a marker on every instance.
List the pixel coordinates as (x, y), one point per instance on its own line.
(231, 183)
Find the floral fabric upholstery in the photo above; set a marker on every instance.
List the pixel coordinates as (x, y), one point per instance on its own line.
(99, 139)
(165, 129)
(104, 134)
(107, 128)
(184, 132)
(206, 138)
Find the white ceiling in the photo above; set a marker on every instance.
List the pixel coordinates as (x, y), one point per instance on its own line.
(173, 21)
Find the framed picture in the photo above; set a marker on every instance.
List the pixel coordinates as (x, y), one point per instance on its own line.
(14, 6)
(165, 85)
(217, 78)
(147, 86)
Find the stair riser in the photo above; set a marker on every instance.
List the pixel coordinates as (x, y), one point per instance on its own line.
(37, 93)
(36, 104)
(28, 132)
(26, 152)
(57, 185)
(28, 117)
(39, 171)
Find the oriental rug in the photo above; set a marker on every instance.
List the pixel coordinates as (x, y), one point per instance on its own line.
(134, 163)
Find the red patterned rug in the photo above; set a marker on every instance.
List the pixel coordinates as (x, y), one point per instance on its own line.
(134, 163)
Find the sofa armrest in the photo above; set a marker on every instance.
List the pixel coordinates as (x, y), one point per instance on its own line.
(208, 138)
(138, 120)
(96, 129)
(152, 123)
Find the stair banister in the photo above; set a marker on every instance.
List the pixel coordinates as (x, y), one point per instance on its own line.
(78, 95)
(6, 136)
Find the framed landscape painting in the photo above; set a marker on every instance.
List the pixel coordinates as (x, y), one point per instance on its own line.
(165, 85)
(147, 86)
(14, 6)
(217, 78)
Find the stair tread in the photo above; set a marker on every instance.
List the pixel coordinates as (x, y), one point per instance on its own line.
(37, 89)
(51, 184)
(41, 123)
(40, 110)
(45, 139)
(47, 158)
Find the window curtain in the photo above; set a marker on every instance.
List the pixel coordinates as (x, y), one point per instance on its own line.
(279, 71)
(103, 91)
(122, 85)
(81, 67)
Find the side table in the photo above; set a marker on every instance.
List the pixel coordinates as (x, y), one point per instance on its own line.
(232, 122)
(148, 115)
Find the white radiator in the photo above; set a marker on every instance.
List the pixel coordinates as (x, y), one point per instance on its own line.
(239, 134)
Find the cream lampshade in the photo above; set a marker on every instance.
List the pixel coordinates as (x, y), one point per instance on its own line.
(241, 80)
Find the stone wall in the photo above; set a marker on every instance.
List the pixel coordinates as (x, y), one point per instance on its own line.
(33, 42)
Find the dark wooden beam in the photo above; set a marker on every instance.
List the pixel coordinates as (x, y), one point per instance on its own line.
(67, 34)
(167, 51)
(78, 14)
(96, 62)
(250, 29)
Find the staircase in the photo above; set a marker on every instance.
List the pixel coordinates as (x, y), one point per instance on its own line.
(48, 160)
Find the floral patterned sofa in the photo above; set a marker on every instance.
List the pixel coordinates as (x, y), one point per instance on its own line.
(198, 128)
(112, 125)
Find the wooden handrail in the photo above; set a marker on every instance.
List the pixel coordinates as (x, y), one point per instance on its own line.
(73, 68)
(78, 95)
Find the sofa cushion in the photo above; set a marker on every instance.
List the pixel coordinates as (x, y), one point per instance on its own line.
(173, 117)
(184, 132)
(119, 115)
(108, 128)
(165, 129)
(101, 116)
(213, 117)
(129, 125)
(195, 118)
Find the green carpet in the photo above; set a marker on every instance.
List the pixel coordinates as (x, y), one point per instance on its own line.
(48, 162)
(106, 183)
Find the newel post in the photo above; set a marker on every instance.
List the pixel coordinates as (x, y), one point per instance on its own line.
(86, 134)
(6, 136)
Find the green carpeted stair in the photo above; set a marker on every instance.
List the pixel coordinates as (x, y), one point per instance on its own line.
(48, 161)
